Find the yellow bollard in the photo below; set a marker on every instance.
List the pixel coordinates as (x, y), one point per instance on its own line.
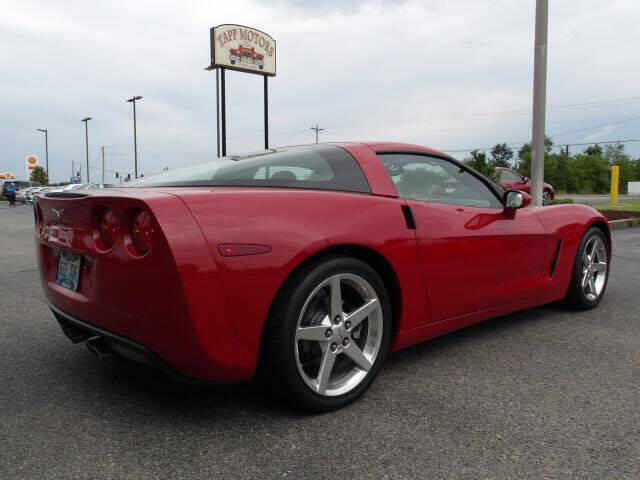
(615, 178)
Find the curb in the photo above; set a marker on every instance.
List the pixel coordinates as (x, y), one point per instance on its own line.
(625, 223)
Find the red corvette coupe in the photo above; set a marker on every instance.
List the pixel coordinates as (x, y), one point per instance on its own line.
(306, 265)
(514, 181)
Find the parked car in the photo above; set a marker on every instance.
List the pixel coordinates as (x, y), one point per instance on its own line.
(39, 191)
(306, 265)
(84, 186)
(513, 180)
(24, 195)
(20, 184)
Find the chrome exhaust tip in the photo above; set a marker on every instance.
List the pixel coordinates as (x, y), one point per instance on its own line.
(97, 346)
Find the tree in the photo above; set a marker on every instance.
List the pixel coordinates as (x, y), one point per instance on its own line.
(593, 150)
(524, 156)
(501, 155)
(39, 175)
(479, 162)
(614, 154)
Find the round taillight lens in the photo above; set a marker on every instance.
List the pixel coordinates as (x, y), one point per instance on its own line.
(108, 229)
(142, 232)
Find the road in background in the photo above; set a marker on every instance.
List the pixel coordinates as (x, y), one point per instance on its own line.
(545, 393)
(596, 199)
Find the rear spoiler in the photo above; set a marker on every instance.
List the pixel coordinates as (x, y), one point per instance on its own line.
(65, 195)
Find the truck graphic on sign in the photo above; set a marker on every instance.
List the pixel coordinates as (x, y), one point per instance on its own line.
(246, 55)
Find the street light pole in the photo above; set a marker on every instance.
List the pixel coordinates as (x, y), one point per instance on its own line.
(539, 101)
(46, 147)
(135, 134)
(86, 136)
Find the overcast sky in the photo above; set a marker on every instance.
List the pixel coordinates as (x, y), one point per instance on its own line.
(436, 73)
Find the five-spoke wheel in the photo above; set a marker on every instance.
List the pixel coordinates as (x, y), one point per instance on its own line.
(590, 270)
(339, 334)
(594, 268)
(331, 331)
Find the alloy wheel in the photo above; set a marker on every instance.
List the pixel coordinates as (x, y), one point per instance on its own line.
(339, 334)
(594, 268)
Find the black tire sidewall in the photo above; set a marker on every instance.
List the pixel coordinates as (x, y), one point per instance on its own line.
(299, 289)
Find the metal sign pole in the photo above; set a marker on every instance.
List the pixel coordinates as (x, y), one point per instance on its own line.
(218, 113)
(224, 113)
(266, 113)
(539, 102)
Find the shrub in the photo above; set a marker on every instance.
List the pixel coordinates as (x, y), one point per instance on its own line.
(559, 201)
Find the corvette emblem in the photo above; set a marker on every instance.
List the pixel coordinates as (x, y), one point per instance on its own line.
(58, 213)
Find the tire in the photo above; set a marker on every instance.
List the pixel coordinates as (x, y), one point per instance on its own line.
(305, 308)
(584, 294)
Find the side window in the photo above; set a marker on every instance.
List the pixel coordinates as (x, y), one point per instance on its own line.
(284, 173)
(510, 176)
(431, 179)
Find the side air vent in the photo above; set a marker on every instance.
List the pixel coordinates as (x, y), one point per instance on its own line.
(554, 263)
(408, 217)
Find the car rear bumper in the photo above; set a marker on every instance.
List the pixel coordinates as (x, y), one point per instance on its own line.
(79, 331)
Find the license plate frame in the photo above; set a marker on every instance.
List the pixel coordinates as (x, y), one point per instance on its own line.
(69, 268)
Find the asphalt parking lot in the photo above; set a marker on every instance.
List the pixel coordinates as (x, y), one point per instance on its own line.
(546, 393)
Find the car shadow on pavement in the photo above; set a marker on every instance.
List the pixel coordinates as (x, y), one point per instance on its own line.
(151, 389)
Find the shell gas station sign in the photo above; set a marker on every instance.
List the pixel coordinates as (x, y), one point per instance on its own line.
(31, 163)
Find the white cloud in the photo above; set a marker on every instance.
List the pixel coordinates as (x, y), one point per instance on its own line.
(600, 133)
(411, 71)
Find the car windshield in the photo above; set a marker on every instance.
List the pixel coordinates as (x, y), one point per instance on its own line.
(322, 167)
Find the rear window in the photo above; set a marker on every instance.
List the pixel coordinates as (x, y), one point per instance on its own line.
(323, 167)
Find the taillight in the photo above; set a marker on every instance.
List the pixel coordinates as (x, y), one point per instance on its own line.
(108, 229)
(142, 232)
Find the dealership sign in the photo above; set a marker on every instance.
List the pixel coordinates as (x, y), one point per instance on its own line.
(31, 163)
(246, 49)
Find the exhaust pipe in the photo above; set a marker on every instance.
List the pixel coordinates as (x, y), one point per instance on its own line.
(97, 346)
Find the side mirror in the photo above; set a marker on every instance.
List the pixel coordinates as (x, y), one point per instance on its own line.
(525, 179)
(514, 199)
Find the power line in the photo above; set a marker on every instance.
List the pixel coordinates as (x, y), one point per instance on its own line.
(616, 102)
(512, 144)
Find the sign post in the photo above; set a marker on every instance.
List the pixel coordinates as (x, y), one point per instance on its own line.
(31, 162)
(244, 49)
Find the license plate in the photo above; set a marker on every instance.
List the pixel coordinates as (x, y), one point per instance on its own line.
(69, 270)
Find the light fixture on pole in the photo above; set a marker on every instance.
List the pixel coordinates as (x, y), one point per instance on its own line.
(86, 136)
(46, 147)
(135, 135)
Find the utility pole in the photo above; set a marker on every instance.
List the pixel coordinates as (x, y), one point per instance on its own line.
(86, 133)
(135, 134)
(46, 147)
(539, 100)
(103, 164)
(317, 130)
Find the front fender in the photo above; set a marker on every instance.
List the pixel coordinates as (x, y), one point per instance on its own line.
(565, 226)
